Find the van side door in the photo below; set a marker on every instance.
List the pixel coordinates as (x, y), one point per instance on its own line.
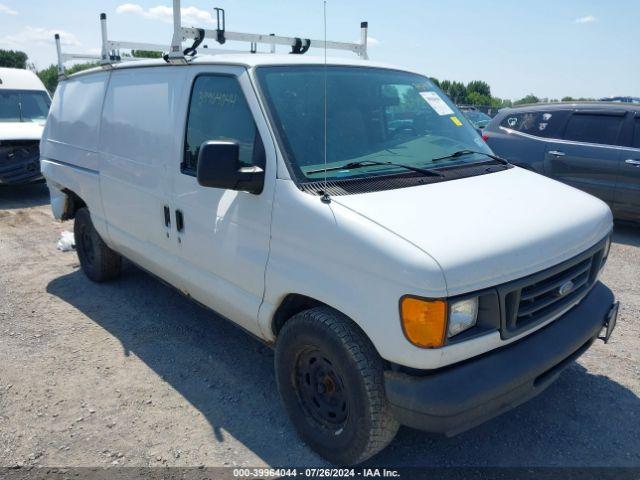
(586, 156)
(223, 235)
(138, 142)
(627, 199)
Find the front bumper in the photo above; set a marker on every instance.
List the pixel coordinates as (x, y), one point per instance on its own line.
(457, 398)
(19, 162)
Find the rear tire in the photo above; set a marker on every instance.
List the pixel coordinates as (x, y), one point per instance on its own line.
(98, 262)
(331, 381)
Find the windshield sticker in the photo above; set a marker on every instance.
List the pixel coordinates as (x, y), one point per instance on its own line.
(436, 102)
(512, 122)
(456, 121)
(546, 117)
(542, 126)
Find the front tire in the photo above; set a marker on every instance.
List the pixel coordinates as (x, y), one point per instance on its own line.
(330, 378)
(98, 261)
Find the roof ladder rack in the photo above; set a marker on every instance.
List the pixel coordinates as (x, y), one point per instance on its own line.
(66, 57)
(221, 35)
(110, 51)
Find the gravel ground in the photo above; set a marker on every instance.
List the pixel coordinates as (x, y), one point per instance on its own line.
(132, 373)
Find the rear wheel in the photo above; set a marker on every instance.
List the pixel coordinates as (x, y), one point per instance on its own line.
(98, 261)
(331, 382)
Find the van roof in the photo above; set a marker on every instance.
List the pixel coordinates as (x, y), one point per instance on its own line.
(250, 60)
(19, 79)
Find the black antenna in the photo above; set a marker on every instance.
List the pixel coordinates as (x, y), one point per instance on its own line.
(325, 196)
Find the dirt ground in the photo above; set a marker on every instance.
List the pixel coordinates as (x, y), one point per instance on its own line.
(132, 373)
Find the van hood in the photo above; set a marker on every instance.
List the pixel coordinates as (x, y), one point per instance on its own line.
(492, 228)
(21, 130)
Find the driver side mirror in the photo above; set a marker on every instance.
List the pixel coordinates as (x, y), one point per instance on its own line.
(219, 167)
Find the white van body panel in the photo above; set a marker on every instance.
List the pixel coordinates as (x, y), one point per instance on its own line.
(21, 131)
(455, 223)
(346, 261)
(69, 157)
(20, 79)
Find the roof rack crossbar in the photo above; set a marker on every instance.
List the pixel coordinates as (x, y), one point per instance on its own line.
(357, 48)
(110, 51)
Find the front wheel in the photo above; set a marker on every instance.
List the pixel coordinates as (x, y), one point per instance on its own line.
(331, 381)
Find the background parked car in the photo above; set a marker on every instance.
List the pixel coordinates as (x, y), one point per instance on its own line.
(592, 146)
(477, 118)
(24, 105)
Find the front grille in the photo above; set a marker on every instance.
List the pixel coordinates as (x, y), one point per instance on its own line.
(540, 297)
(19, 161)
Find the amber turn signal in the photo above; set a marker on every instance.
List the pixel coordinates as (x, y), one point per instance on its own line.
(424, 322)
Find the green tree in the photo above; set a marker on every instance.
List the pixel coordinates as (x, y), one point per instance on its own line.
(479, 87)
(146, 54)
(13, 59)
(445, 86)
(49, 76)
(476, 98)
(457, 92)
(531, 98)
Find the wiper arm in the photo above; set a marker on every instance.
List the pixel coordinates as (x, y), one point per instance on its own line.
(368, 163)
(461, 153)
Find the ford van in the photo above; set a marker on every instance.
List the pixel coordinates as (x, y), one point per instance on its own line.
(24, 104)
(348, 215)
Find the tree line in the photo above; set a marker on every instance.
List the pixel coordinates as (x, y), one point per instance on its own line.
(476, 92)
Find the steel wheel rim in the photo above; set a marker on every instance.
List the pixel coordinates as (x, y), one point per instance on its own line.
(320, 389)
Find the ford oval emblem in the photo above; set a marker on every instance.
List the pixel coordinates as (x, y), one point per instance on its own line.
(565, 289)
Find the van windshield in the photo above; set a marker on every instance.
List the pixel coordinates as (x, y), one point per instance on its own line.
(23, 106)
(373, 114)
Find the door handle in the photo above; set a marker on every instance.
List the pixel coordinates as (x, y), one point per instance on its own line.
(631, 161)
(167, 216)
(179, 220)
(556, 153)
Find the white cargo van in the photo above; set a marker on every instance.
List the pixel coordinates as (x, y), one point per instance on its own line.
(24, 104)
(424, 282)
(404, 276)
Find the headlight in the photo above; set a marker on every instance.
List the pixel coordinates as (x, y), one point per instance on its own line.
(424, 322)
(462, 316)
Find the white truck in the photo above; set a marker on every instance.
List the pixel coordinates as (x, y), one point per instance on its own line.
(24, 104)
(402, 273)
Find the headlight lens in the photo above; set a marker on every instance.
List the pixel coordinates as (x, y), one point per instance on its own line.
(424, 321)
(463, 315)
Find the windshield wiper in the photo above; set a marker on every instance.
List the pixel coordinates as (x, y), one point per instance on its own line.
(461, 153)
(368, 163)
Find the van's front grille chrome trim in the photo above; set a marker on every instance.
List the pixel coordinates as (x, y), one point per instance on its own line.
(544, 296)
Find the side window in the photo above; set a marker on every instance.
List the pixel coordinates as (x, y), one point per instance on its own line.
(636, 134)
(539, 123)
(218, 110)
(602, 129)
(525, 122)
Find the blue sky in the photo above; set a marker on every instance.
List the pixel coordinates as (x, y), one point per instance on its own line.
(550, 48)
